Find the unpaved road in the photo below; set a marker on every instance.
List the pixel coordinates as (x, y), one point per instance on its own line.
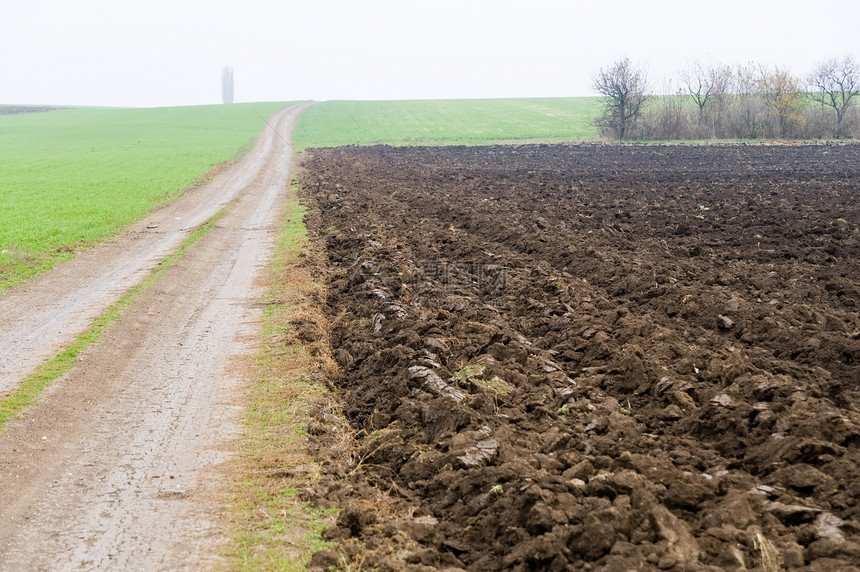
(116, 467)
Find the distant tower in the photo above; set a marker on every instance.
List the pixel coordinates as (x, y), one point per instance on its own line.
(227, 84)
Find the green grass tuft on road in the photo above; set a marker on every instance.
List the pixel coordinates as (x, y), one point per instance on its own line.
(446, 122)
(71, 177)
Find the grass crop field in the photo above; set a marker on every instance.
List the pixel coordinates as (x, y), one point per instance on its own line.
(446, 122)
(70, 177)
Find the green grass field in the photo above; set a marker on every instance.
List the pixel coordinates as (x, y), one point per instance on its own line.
(71, 177)
(446, 122)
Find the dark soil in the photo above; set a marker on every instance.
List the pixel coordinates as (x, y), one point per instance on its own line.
(593, 357)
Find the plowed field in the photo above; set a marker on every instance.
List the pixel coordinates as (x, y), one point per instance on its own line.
(593, 357)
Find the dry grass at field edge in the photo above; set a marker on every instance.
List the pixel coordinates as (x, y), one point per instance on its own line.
(272, 527)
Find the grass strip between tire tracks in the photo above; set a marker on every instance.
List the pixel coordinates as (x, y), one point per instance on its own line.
(28, 391)
(272, 527)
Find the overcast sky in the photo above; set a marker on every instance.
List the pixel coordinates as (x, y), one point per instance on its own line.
(170, 52)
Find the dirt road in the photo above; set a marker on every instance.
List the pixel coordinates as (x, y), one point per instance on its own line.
(112, 468)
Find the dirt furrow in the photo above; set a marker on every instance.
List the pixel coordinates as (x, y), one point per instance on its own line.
(116, 467)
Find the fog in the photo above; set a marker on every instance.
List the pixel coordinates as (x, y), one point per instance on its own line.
(160, 53)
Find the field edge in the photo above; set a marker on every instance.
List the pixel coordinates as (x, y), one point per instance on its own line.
(272, 526)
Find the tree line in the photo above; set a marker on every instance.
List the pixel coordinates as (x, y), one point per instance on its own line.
(725, 102)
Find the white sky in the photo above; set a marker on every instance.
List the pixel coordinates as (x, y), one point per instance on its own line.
(170, 52)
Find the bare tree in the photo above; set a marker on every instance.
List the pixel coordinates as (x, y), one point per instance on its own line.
(227, 84)
(624, 88)
(700, 89)
(834, 83)
(746, 114)
(708, 88)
